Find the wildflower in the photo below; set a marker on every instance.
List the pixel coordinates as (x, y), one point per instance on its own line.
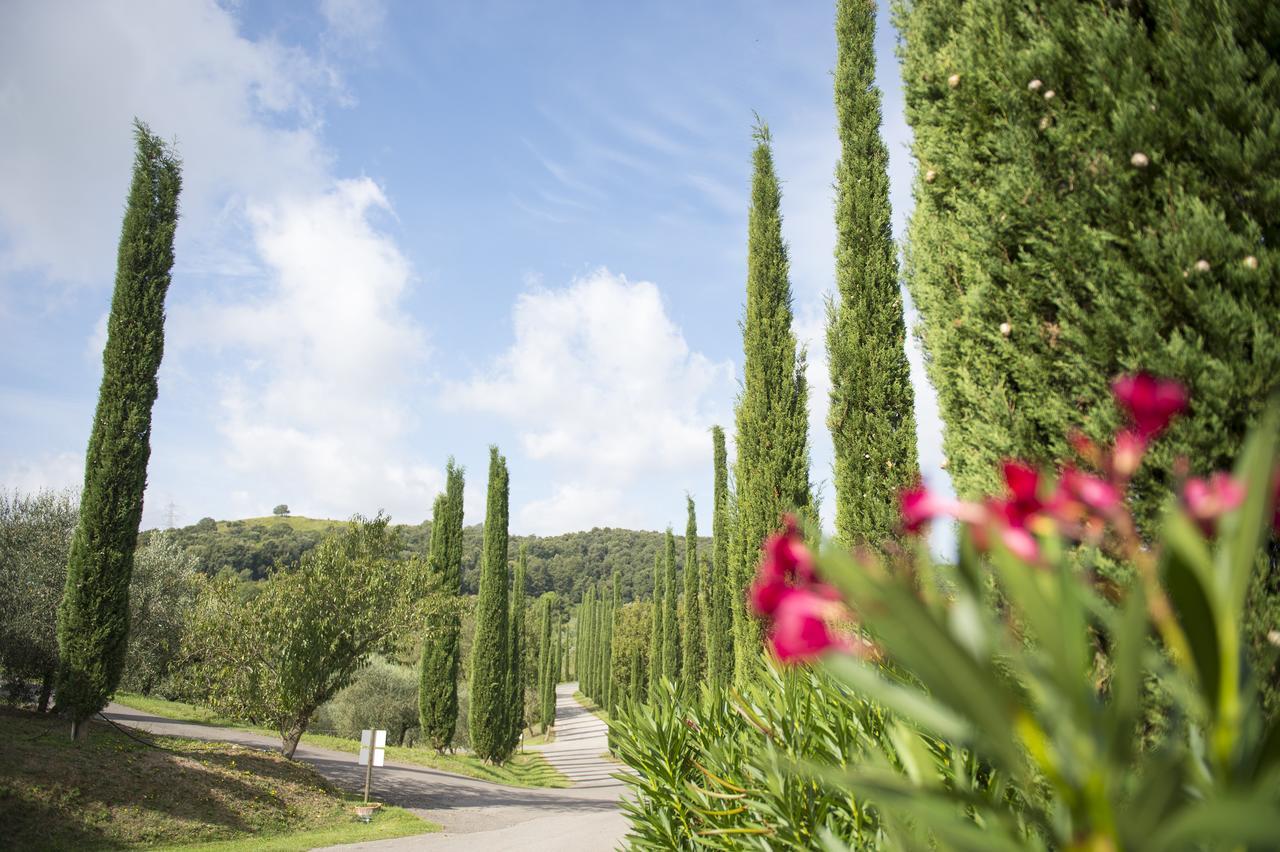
(1150, 402)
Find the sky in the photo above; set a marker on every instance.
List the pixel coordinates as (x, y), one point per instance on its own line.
(410, 230)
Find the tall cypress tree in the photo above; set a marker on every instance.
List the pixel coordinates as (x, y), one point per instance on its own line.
(657, 631)
(516, 674)
(1127, 220)
(872, 422)
(772, 470)
(615, 611)
(694, 664)
(490, 695)
(547, 671)
(93, 617)
(438, 688)
(670, 612)
(720, 597)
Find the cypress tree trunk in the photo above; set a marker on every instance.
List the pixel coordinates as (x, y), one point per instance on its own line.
(720, 596)
(772, 470)
(656, 630)
(438, 688)
(490, 696)
(515, 652)
(694, 663)
(670, 618)
(93, 617)
(872, 420)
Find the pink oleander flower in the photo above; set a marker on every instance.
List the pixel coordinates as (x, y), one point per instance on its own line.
(1150, 402)
(1096, 494)
(785, 563)
(919, 505)
(1207, 500)
(1127, 454)
(802, 627)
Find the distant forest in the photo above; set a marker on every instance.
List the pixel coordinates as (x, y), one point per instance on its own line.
(565, 563)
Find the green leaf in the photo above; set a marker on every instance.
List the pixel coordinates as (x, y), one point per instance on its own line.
(1242, 531)
(908, 702)
(1187, 569)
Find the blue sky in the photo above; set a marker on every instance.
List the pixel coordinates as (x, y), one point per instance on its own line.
(411, 230)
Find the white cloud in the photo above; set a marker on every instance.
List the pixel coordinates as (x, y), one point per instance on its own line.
(578, 507)
(600, 378)
(243, 114)
(601, 387)
(54, 471)
(317, 403)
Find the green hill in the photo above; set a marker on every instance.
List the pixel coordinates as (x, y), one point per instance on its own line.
(564, 563)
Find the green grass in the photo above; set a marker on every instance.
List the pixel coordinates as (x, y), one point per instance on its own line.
(528, 769)
(114, 792)
(297, 523)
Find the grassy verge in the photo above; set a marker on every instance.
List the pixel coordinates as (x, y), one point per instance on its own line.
(599, 712)
(528, 769)
(114, 792)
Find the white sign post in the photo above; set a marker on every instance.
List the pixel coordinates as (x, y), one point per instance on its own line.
(375, 742)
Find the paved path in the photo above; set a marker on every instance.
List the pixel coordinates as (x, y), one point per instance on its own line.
(478, 816)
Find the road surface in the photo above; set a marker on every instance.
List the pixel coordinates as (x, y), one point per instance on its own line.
(478, 816)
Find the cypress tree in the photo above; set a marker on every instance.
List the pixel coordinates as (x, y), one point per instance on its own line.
(490, 696)
(438, 688)
(720, 596)
(1127, 220)
(93, 617)
(615, 612)
(670, 615)
(516, 675)
(585, 639)
(872, 421)
(546, 663)
(693, 666)
(657, 632)
(772, 469)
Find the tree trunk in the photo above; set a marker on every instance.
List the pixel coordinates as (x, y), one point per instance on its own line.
(289, 738)
(46, 690)
(79, 730)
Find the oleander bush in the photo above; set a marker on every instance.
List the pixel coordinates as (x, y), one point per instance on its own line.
(1018, 699)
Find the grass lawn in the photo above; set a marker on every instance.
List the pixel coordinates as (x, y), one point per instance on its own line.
(300, 524)
(113, 792)
(528, 769)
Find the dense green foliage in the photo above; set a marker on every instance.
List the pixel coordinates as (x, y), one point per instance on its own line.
(1098, 195)
(693, 669)
(35, 536)
(276, 656)
(162, 593)
(441, 649)
(772, 468)
(719, 592)
(565, 564)
(630, 659)
(872, 421)
(93, 618)
(490, 664)
(516, 671)
(382, 696)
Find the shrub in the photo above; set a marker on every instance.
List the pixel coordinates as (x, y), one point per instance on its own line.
(1003, 702)
(382, 696)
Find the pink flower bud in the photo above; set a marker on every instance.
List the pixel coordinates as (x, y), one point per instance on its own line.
(1127, 454)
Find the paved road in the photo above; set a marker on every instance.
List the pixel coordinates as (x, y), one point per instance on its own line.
(478, 816)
